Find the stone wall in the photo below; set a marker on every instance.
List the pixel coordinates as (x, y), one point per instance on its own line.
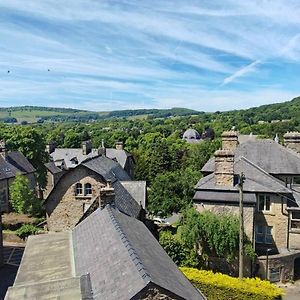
(284, 263)
(294, 239)
(153, 292)
(278, 219)
(65, 208)
(231, 209)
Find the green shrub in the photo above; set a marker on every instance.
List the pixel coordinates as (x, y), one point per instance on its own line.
(217, 286)
(25, 230)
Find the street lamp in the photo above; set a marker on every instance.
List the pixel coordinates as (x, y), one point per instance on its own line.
(267, 262)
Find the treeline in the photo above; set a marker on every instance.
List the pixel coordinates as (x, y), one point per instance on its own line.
(39, 108)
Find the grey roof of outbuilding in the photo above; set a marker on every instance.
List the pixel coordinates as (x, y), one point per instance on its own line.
(51, 167)
(137, 189)
(124, 257)
(257, 180)
(125, 202)
(67, 154)
(267, 154)
(15, 162)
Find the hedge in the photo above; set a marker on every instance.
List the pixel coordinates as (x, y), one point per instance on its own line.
(217, 286)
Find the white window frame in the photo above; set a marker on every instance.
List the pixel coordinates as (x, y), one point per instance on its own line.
(294, 220)
(264, 236)
(88, 188)
(78, 189)
(266, 198)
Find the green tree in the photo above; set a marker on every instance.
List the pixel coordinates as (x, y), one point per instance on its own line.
(172, 191)
(32, 144)
(213, 234)
(22, 198)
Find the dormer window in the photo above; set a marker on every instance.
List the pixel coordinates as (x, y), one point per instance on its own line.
(264, 202)
(88, 189)
(78, 189)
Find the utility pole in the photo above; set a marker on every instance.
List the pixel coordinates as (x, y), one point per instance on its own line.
(241, 218)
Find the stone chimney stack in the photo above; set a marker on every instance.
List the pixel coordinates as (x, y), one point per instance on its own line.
(107, 195)
(119, 146)
(224, 173)
(50, 148)
(102, 149)
(229, 140)
(86, 147)
(3, 149)
(292, 140)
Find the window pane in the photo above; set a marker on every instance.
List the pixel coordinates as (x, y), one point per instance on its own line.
(259, 229)
(268, 203)
(295, 224)
(259, 238)
(269, 230)
(269, 238)
(261, 203)
(78, 188)
(88, 189)
(296, 215)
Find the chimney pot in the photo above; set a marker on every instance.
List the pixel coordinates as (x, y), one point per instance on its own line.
(3, 149)
(86, 147)
(229, 140)
(292, 140)
(50, 147)
(119, 146)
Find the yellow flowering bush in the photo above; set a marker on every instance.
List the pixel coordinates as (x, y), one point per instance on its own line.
(217, 286)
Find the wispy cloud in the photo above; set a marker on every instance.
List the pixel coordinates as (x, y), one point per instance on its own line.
(142, 53)
(241, 72)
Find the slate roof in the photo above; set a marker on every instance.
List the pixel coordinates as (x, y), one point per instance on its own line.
(51, 167)
(67, 154)
(106, 167)
(267, 154)
(14, 163)
(122, 258)
(224, 197)
(109, 169)
(257, 180)
(137, 189)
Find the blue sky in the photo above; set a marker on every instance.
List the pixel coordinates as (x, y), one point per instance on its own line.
(107, 55)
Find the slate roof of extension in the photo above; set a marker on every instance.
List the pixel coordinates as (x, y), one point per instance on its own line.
(107, 256)
(14, 163)
(267, 154)
(67, 154)
(257, 180)
(124, 257)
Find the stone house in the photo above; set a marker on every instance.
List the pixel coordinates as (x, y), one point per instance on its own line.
(109, 255)
(77, 188)
(11, 164)
(271, 197)
(68, 158)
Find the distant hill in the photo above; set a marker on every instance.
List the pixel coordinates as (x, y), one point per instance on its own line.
(271, 112)
(279, 111)
(33, 114)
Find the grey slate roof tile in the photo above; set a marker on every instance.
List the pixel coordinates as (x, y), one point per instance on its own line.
(14, 163)
(267, 154)
(124, 257)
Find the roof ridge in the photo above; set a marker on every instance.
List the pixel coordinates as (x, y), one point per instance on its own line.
(131, 251)
(262, 170)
